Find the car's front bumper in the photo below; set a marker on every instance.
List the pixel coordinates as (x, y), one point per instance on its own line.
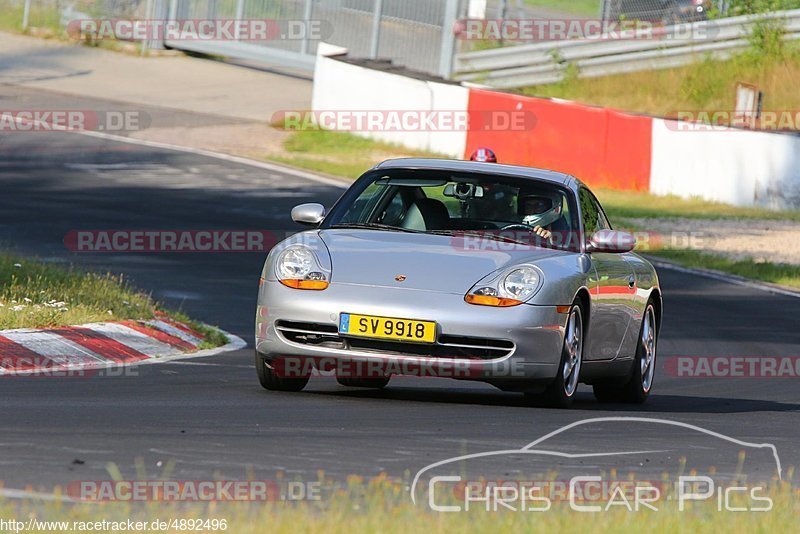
(524, 342)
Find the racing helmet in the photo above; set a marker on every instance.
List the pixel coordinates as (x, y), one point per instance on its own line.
(484, 155)
(541, 208)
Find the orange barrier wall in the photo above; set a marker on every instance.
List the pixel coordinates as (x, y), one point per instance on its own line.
(602, 147)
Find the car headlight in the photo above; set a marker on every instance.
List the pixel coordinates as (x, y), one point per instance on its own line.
(511, 288)
(297, 267)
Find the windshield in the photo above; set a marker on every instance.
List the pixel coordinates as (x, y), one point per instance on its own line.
(520, 210)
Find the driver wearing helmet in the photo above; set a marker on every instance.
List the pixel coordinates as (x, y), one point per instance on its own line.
(484, 155)
(540, 210)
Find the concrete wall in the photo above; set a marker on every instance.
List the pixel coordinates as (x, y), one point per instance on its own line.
(739, 167)
(602, 147)
(342, 86)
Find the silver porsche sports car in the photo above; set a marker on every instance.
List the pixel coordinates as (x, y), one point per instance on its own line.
(474, 271)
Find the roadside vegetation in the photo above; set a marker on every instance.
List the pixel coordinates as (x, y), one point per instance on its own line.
(640, 205)
(584, 8)
(339, 153)
(380, 505)
(624, 206)
(707, 85)
(770, 62)
(39, 295)
(44, 21)
(774, 273)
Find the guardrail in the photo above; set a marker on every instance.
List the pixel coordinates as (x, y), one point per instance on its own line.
(544, 63)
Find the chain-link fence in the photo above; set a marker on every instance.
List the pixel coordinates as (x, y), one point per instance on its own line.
(417, 34)
(412, 33)
(674, 11)
(663, 11)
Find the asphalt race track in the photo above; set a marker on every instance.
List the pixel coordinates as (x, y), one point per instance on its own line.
(210, 416)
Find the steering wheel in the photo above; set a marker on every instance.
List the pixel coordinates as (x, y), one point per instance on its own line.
(521, 226)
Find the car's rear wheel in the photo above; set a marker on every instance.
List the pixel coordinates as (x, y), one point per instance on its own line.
(561, 392)
(370, 383)
(637, 389)
(270, 378)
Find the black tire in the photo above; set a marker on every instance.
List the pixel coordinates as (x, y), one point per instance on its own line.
(271, 380)
(636, 390)
(561, 391)
(370, 383)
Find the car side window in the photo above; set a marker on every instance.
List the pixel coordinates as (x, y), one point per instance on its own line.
(592, 214)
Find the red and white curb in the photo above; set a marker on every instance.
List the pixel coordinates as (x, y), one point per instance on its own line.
(102, 345)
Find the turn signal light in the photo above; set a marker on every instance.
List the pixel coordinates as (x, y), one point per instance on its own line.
(486, 300)
(312, 285)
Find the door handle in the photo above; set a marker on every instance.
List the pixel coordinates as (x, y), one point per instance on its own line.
(632, 281)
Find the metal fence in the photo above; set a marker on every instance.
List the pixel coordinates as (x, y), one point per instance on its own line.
(666, 11)
(545, 63)
(417, 34)
(412, 33)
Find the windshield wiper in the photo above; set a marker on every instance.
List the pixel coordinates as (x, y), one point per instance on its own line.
(373, 226)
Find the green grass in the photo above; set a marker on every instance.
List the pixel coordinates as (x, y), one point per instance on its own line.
(587, 8)
(213, 336)
(38, 295)
(339, 153)
(45, 17)
(774, 273)
(627, 204)
(706, 85)
(386, 508)
(622, 205)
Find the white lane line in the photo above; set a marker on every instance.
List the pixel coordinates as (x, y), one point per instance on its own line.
(189, 150)
(174, 331)
(60, 350)
(722, 277)
(133, 339)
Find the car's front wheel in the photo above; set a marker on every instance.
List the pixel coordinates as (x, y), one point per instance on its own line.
(270, 378)
(638, 387)
(561, 392)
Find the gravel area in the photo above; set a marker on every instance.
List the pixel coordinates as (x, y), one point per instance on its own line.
(762, 240)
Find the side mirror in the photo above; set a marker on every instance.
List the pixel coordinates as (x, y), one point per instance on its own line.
(612, 241)
(310, 214)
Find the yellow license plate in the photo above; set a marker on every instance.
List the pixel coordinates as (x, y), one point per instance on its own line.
(408, 330)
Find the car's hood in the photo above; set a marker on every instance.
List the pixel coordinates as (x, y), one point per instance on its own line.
(428, 262)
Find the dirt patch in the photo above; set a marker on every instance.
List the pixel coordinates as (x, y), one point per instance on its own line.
(760, 240)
